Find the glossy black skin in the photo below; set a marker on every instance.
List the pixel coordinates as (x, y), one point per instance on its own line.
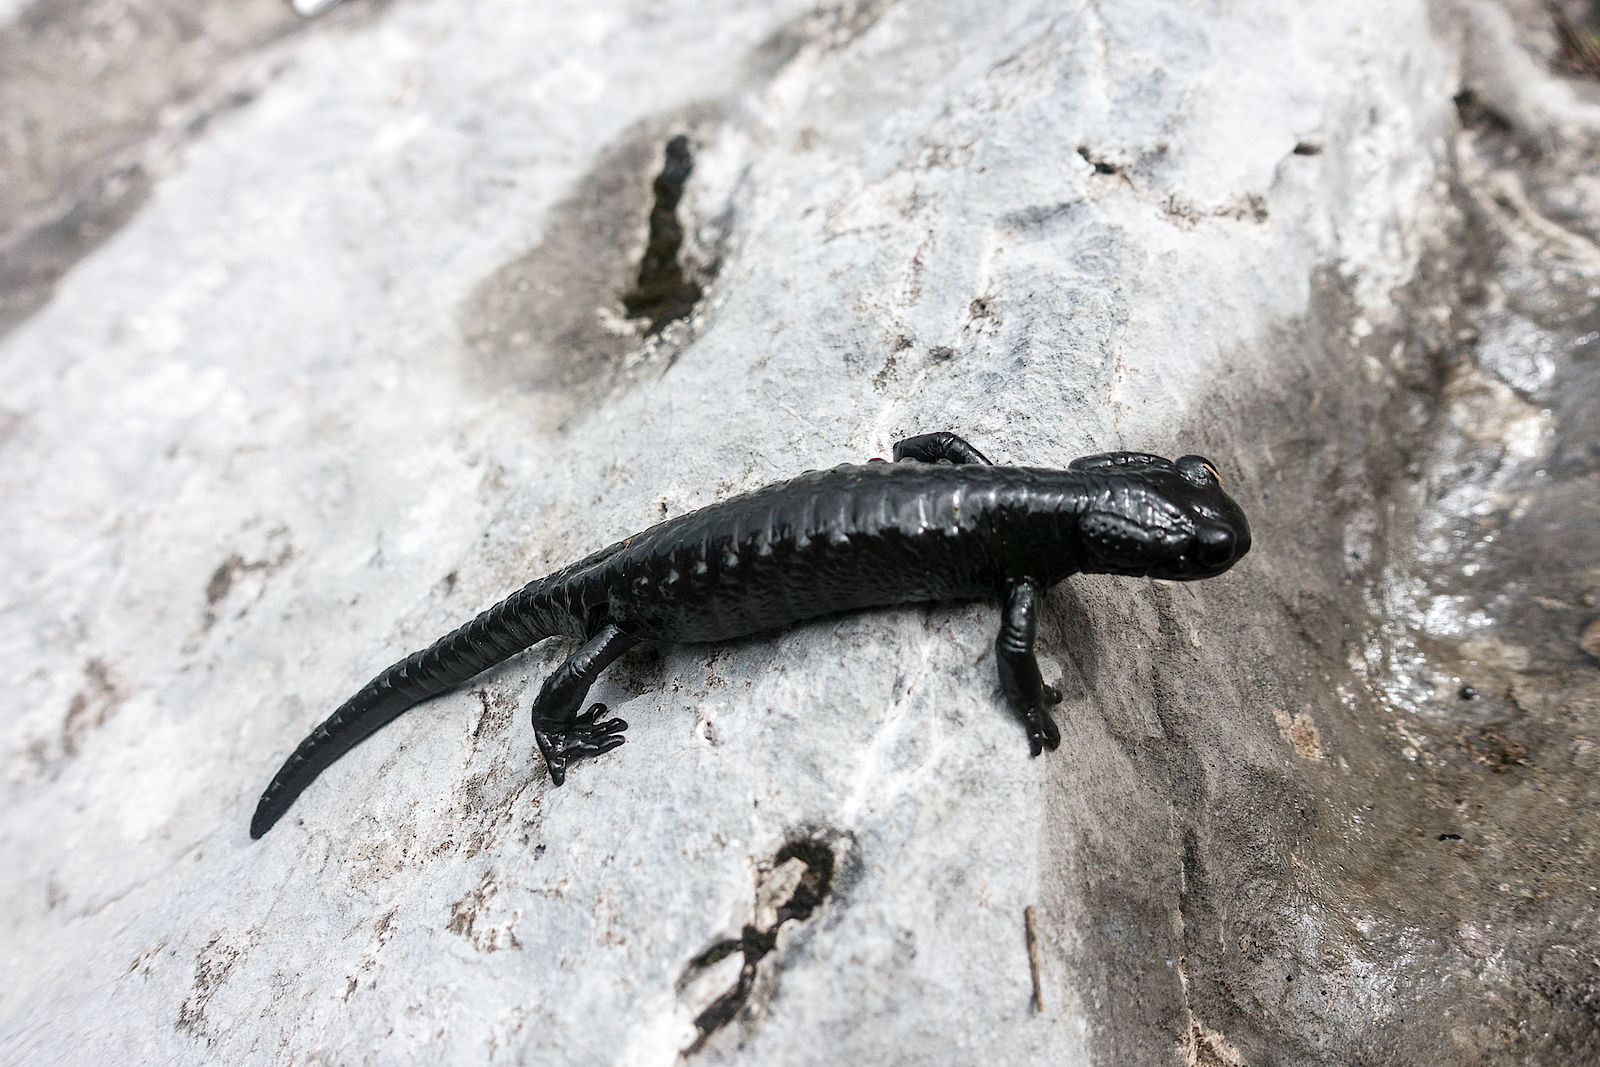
(940, 523)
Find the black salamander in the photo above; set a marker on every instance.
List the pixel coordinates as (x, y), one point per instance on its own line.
(940, 523)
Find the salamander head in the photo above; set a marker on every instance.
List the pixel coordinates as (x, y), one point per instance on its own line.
(1158, 518)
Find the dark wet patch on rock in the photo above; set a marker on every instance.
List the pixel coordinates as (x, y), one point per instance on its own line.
(592, 305)
(556, 319)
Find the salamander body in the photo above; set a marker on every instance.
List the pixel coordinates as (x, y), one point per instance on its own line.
(941, 523)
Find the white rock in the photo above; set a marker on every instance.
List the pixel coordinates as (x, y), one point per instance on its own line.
(264, 442)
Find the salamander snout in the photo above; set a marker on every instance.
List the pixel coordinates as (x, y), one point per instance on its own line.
(1214, 545)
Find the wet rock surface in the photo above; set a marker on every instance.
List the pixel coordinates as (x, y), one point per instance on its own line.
(360, 357)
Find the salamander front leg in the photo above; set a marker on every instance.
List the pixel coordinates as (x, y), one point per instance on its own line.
(1019, 670)
(564, 735)
(932, 447)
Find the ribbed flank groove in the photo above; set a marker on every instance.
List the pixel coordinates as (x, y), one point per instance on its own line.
(493, 637)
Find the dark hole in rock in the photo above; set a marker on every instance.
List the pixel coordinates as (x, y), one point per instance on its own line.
(552, 319)
(803, 874)
(1100, 166)
(1477, 115)
(664, 292)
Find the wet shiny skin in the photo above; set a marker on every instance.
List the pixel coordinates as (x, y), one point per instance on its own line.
(940, 523)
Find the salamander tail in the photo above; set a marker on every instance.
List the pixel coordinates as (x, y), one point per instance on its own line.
(493, 637)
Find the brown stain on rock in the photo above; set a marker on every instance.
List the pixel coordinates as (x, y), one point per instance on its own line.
(468, 913)
(1492, 746)
(227, 574)
(1589, 640)
(384, 929)
(90, 707)
(1300, 731)
(212, 966)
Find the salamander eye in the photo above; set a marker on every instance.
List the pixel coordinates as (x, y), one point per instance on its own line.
(1198, 469)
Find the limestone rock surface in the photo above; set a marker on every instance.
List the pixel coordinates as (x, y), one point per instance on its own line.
(357, 362)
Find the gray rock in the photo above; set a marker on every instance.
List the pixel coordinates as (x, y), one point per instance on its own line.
(359, 364)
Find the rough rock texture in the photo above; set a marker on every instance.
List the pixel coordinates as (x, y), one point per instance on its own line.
(357, 362)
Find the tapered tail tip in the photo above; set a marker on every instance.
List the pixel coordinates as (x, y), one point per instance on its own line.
(263, 820)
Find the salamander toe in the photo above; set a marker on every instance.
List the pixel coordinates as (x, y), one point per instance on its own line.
(587, 735)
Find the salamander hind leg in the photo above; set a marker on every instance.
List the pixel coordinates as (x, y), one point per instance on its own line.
(565, 735)
(933, 447)
(1025, 690)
